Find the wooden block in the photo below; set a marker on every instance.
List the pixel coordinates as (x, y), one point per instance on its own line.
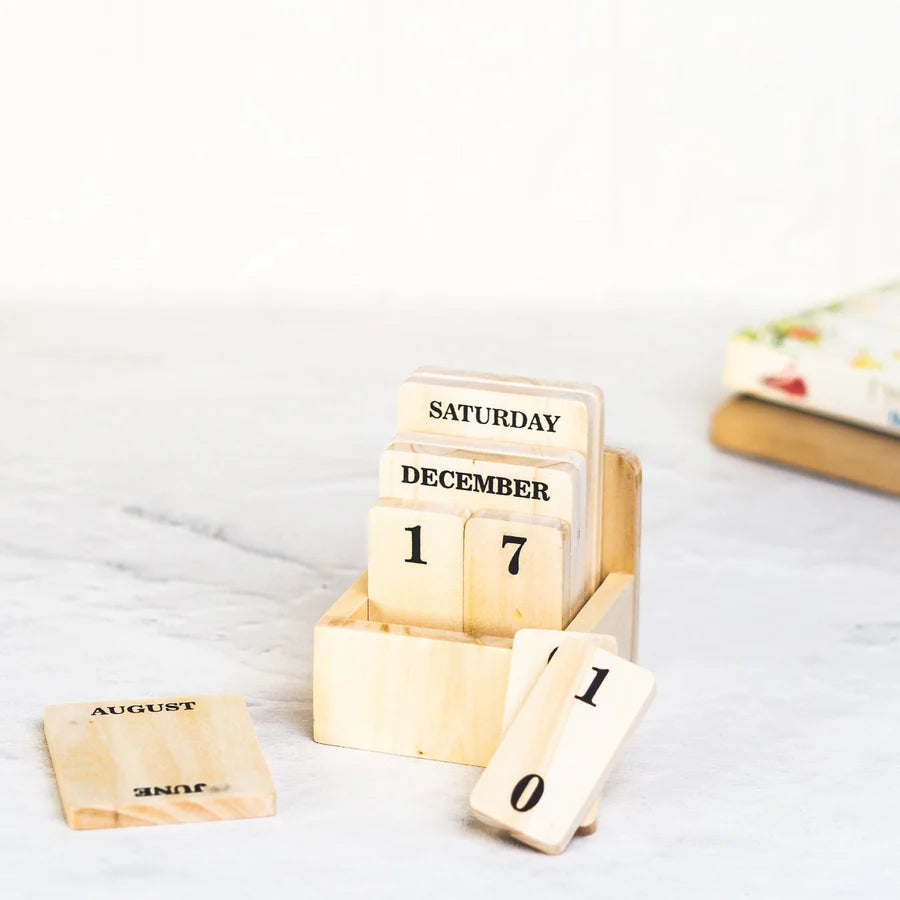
(416, 564)
(517, 410)
(535, 649)
(807, 441)
(516, 573)
(552, 763)
(156, 762)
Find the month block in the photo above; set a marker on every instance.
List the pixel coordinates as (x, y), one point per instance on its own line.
(416, 563)
(473, 474)
(559, 750)
(157, 761)
(516, 573)
(519, 411)
(535, 649)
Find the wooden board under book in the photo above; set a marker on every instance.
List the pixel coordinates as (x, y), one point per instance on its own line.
(807, 441)
(158, 761)
(519, 411)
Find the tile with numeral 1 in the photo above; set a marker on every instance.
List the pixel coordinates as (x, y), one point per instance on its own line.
(416, 563)
(157, 761)
(517, 410)
(516, 573)
(552, 763)
(534, 650)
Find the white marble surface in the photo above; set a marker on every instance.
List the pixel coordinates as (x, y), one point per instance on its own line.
(183, 493)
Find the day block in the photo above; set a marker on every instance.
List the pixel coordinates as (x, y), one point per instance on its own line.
(518, 410)
(559, 750)
(157, 761)
(416, 563)
(467, 674)
(516, 573)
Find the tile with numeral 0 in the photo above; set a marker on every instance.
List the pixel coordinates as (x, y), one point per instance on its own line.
(534, 650)
(157, 762)
(516, 573)
(517, 410)
(556, 755)
(416, 563)
(480, 474)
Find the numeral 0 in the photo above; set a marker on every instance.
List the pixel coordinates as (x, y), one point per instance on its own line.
(521, 786)
(514, 562)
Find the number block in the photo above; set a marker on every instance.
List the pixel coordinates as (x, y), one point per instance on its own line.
(416, 564)
(559, 750)
(535, 649)
(516, 573)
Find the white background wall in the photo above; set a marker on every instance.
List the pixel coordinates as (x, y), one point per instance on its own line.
(509, 152)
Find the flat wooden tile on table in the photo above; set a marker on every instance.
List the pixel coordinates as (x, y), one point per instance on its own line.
(157, 761)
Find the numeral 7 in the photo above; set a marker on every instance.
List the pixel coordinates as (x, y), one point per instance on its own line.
(514, 562)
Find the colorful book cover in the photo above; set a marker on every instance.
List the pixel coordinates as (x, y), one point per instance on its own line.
(840, 360)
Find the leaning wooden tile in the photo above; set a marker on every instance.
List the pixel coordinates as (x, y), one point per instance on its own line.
(552, 763)
(157, 761)
(516, 573)
(534, 650)
(416, 564)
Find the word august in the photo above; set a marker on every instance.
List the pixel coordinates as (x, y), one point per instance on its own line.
(144, 707)
(473, 481)
(489, 415)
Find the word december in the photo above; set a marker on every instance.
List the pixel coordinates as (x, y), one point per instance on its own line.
(489, 415)
(144, 707)
(479, 484)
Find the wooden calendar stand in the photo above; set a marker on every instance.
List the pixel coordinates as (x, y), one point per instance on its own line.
(440, 694)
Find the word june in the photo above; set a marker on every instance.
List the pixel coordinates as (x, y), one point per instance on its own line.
(169, 789)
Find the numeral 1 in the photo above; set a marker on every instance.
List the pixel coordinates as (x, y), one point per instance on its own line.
(415, 555)
(588, 695)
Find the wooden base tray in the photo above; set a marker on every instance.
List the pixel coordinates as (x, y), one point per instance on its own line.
(807, 441)
(439, 694)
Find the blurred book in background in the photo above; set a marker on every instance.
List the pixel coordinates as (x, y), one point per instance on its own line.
(820, 390)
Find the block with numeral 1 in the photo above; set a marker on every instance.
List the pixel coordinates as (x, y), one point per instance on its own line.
(534, 650)
(517, 573)
(552, 763)
(416, 563)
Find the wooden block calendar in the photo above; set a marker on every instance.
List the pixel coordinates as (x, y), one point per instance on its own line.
(414, 658)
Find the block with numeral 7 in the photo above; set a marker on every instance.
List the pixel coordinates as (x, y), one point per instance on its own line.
(416, 563)
(517, 573)
(552, 763)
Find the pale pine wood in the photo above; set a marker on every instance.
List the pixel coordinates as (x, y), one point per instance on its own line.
(537, 594)
(579, 426)
(407, 690)
(552, 482)
(116, 769)
(611, 611)
(441, 694)
(472, 684)
(809, 442)
(569, 742)
(402, 592)
(622, 527)
(532, 654)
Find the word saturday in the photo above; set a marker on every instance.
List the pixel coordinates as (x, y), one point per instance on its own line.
(490, 415)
